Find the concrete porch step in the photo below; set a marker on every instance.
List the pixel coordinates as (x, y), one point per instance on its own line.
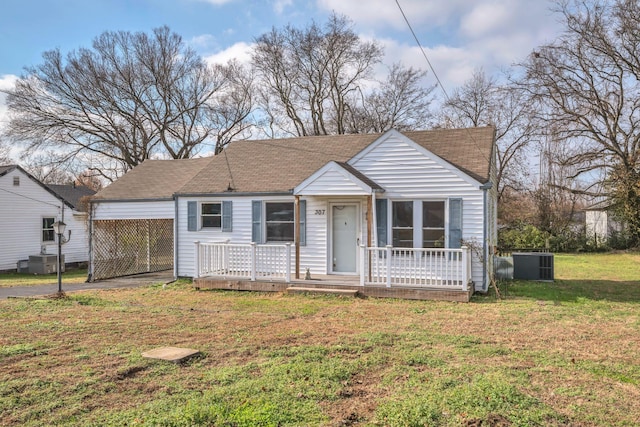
(343, 292)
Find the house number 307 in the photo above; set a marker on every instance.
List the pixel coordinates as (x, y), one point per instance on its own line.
(320, 211)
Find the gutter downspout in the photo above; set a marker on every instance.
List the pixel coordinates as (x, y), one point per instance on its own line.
(485, 248)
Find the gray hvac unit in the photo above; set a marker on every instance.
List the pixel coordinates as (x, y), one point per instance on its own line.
(533, 266)
(45, 264)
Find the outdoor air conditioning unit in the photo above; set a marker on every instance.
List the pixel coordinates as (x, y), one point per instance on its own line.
(533, 266)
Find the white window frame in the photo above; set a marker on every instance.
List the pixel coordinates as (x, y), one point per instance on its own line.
(44, 229)
(266, 223)
(417, 220)
(443, 228)
(203, 215)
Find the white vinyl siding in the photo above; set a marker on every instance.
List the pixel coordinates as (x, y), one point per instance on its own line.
(313, 255)
(22, 209)
(162, 209)
(408, 172)
(333, 183)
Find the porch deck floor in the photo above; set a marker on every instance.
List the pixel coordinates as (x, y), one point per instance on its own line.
(351, 282)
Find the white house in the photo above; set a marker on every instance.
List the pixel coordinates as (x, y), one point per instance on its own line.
(600, 223)
(28, 210)
(406, 210)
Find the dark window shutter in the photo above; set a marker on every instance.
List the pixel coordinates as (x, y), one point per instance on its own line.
(455, 223)
(192, 216)
(303, 223)
(256, 221)
(381, 221)
(227, 212)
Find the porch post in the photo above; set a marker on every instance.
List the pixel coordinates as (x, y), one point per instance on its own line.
(465, 269)
(288, 266)
(197, 260)
(296, 239)
(369, 228)
(363, 251)
(254, 248)
(388, 253)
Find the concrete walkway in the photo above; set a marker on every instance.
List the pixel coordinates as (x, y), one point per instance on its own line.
(118, 282)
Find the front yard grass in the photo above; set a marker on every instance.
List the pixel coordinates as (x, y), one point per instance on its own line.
(563, 353)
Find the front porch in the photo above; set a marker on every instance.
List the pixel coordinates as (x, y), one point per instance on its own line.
(426, 274)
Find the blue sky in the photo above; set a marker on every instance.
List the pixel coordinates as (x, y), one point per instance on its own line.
(458, 35)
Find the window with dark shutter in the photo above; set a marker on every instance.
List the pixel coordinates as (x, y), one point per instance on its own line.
(381, 221)
(256, 221)
(192, 216)
(433, 224)
(455, 223)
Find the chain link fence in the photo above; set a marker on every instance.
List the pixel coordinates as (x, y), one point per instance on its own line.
(124, 247)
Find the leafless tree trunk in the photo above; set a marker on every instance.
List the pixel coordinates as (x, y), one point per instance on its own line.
(587, 87)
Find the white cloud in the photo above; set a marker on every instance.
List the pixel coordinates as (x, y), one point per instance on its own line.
(279, 5)
(485, 19)
(458, 36)
(385, 13)
(201, 41)
(240, 51)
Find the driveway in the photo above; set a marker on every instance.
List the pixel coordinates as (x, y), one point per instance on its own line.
(118, 282)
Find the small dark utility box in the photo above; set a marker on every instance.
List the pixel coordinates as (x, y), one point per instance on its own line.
(533, 266)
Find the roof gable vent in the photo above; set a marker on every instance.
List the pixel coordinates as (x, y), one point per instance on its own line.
(16, 181)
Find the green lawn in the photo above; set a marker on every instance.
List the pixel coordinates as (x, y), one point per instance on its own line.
(549, 354)
(26, 279)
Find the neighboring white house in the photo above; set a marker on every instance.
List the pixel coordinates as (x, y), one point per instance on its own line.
(600, 223)
(28, 210)
(341, 203)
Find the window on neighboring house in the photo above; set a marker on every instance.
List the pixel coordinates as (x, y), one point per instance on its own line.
(279, 220)
(211, 215)
(433, 224)
(48, 235)
(402, 224)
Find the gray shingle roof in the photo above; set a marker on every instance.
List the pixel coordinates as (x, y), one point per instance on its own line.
(153, 180)
(279, 165)
(72, 194)
(6, 168)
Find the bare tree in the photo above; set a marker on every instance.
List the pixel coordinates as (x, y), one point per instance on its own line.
(309, 75)
(231, 109)
(5, 158)
(401, 102)
(481, 101)
(130, 97)
(90, 180)
(587, 87)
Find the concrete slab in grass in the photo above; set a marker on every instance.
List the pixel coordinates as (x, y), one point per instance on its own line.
(171, 354)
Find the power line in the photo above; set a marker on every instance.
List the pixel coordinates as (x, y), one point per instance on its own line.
(444, 91)
(30, 198)
(446, 96)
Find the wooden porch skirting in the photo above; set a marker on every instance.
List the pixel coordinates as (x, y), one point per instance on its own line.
(430, 294)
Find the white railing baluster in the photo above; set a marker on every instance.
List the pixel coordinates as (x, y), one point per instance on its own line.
(287, 264)
(389, 266)
(416, 268)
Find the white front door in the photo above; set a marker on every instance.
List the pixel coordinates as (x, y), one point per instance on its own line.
(344, 238)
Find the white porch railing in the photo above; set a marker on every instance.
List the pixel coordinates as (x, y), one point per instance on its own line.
(416, 268)
(388, 266)
(243, 261)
